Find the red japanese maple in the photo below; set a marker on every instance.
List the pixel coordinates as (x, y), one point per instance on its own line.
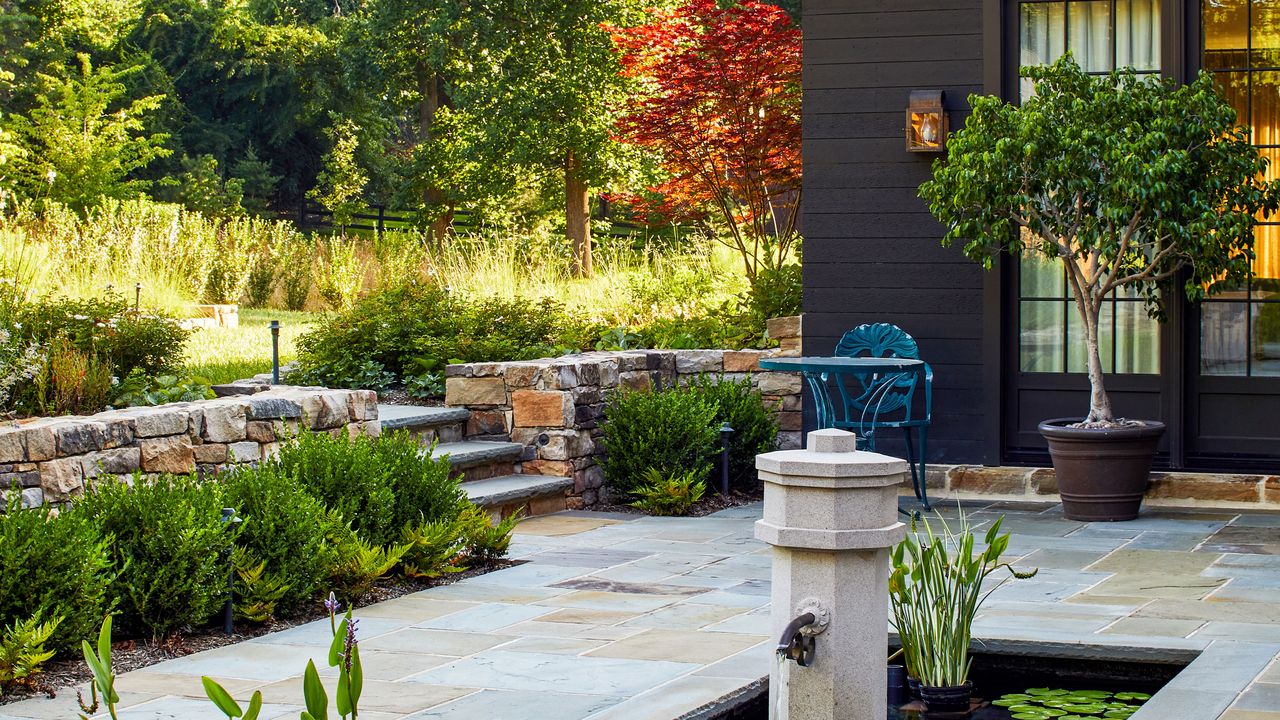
(719, 102)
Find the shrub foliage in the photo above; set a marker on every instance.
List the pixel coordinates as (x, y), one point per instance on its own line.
(672, 431)
(170, 548)
(54, 566)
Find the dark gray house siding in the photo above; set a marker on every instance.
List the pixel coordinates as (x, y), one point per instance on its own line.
(872, 251)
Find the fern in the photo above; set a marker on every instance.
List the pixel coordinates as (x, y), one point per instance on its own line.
(668, 494)
(435, 548)
(358, 564)
(22, 651)
(486, 542)
(257, 591)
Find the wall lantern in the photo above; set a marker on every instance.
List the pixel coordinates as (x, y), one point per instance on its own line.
(927, 122)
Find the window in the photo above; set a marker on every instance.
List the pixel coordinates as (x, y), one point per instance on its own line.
(1240, 326)
(1101, 36)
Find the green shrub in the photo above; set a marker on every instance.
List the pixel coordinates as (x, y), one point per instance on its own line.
(109, 329)
(283, 529)
(435, 548)
(668, 493)
(755, 426)
(408, 331)
(672, 430)
(775, 292)
(139, 389)
(170, 549)
(378, 485)
(53, 566)
(22, 649)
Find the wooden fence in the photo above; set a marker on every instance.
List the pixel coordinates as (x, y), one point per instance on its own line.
(379, 219)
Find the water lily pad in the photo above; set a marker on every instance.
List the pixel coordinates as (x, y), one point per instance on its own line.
(1036, 715)
(1046, 692)
(1140, 697)
(1092, 694)
(1117, 714)
(1090, 709)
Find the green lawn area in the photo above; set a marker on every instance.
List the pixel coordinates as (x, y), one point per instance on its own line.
(221, 355)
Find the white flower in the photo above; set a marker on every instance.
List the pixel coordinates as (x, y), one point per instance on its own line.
(51, 175)
(79, 317)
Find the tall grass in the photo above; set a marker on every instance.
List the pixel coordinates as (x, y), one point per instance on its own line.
(178, 257)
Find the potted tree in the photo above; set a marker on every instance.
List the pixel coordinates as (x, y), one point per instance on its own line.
(935, 590)
(1131, 182)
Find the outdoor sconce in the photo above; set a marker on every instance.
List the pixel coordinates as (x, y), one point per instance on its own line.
(927, 122)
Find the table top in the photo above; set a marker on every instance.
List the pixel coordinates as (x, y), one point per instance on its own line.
(837, 364)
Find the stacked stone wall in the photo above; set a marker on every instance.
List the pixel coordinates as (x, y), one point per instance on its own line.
(554, 406)
(52, 459)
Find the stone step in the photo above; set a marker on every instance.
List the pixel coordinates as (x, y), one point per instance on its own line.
(429, 424)
(535, 494)
(481, 459)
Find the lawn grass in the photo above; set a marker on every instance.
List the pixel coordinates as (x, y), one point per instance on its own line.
(221, 355)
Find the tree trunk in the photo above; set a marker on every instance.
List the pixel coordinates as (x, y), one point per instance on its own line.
(1099, 402)
(577, 216)
(428, 104)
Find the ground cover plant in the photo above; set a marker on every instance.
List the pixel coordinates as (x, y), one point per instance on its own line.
(155, 552)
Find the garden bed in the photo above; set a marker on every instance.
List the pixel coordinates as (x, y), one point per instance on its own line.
(135, 653)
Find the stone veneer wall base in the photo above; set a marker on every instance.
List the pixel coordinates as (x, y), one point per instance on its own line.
(1167, 489)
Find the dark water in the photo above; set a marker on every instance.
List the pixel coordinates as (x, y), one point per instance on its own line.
(996, 675)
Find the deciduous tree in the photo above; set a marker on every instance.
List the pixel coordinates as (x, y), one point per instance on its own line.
(719, 102)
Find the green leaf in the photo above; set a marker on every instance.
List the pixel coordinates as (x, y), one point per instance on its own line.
(313, 693)
(221, 698)
(342, 696)
(337, 644)
(357, 676)
(255, 706)
(104, 643)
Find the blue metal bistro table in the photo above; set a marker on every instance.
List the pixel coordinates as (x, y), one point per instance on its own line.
(874, 393)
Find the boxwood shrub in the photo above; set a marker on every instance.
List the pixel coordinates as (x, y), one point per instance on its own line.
(54, 566)
(672, 431)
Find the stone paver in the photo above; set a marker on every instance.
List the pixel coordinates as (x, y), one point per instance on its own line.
(621, 616)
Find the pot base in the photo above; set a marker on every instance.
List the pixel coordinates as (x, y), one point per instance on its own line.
(947, 699)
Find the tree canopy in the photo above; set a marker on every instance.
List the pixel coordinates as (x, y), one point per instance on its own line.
(1130, 181)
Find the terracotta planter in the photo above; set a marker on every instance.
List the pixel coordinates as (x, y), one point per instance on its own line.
(947, 699)
(1102, 474)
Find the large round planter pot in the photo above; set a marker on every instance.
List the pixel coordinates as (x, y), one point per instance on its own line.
(1102, 474)
(947, 699)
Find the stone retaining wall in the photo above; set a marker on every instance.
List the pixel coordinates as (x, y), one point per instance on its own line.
(1181, 489)
(554, 406)
(52, 458)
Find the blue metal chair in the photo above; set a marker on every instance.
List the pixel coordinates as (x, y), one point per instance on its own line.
(876, 401)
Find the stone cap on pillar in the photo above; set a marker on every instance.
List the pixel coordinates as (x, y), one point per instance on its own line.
(830, 496)
(831, 460)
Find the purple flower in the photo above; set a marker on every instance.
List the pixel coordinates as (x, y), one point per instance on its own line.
(331, 604)
(349, 643)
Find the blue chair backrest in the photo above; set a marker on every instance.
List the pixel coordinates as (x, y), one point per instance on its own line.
(878, 340)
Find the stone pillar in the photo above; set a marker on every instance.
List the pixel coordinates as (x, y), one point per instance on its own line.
(830, 513)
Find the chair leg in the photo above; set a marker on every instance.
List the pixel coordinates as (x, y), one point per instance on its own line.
(923, 490)
(911, 461)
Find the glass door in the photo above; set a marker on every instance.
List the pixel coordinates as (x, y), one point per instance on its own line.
(1234, 398)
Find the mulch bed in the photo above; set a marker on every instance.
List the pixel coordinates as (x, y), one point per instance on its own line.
(139, 653)
(398, 396)
(709, 504)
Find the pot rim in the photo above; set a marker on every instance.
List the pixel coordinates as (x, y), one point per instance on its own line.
(968, 684)
(1057, 428)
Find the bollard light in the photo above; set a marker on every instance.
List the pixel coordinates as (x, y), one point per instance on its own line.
(726, 435)
(275, 352)
(230, 519)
